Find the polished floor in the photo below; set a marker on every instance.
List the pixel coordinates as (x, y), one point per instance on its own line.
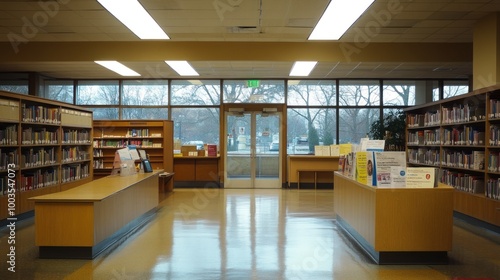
(247, 234)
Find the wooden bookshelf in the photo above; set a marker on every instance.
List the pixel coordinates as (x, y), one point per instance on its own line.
(153, 136)
(460, 136)
(45, 148)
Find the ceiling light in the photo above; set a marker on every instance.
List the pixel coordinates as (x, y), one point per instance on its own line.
(135, 17)
(182, 67)
(302, 68)
(117, 67)
(338, 17)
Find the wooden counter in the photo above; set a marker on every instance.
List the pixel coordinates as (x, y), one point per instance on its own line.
(199, 171)
(313, 171)
(83, 221)
(396, 225)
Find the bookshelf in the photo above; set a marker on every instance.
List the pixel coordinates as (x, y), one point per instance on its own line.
(460, 136)
(45, 147)
(153, 136)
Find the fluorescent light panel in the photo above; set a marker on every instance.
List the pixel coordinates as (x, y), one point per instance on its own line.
(117, 67)
(338, 17)
(182, 67)
(302, 68)
(135, 17)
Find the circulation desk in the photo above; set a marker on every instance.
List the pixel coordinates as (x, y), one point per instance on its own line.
(396, 225)
(83, 221)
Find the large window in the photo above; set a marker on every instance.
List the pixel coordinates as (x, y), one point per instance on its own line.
(97, 93)
(454, 88)
(355, 123)
(196, 126)
(195, 92)
(59, 90)
(145, 92)
(105, 113)
(254, 91)
(399, 93)
(311, 93)
(359, 93)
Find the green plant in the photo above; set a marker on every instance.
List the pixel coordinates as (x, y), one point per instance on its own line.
(392, 129)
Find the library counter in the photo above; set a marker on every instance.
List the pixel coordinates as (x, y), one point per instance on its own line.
(83, 221)
(396, 225)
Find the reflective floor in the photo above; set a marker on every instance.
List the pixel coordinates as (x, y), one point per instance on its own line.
(247, 234)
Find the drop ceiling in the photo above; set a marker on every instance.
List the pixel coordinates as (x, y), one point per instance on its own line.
(242, 39)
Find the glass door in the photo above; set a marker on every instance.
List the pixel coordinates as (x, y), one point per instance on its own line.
(253, 153)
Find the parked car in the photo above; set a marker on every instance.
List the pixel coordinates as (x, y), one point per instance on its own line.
(274, 146)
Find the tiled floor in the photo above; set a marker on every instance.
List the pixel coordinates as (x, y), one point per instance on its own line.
(246, 234)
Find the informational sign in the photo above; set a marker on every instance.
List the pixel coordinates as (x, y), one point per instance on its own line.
(242, 130)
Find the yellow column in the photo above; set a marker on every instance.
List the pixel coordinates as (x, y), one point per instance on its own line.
(486, 52)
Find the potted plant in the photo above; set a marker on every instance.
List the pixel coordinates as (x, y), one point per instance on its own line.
(391, 129)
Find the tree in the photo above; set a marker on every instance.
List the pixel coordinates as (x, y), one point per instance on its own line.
(312, 136)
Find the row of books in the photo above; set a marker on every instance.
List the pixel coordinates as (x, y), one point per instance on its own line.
(39, 179)
(461, 159)
(494, 135)
(98, 163)
(110, 143)
(41, 114)
(463, 181)
(74, 172)
(38, 157)
(4, 185)
(459, 113)
(98, 153)
(492, 189)
(494, 108)
(71, 154)
(424, 156)
(76, 136)
(493, 161)
(424, 137)
(430, 118)
(138, 132)
(466, 135)
(31, 136)
(8, 135)
(8, 157)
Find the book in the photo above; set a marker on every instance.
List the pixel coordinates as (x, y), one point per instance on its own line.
(334, 150)
(345, 149)
(212, 150)
(478, 160)
(364, 167)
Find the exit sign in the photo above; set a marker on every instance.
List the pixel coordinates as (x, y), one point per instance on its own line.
(253, 83)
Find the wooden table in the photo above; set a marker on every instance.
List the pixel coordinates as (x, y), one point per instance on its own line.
(315, 169)
(396, 225)
(83, 221)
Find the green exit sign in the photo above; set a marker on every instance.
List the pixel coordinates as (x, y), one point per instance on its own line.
(253, 83)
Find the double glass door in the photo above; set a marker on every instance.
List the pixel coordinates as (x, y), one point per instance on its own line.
(253, 153)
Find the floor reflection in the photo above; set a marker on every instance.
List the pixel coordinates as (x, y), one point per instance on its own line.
(249, 234)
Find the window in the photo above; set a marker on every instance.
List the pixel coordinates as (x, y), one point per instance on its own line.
(59, 90)
(355, 123)
(307, 127)
(254, 91)
(195, 92)
(454, 88)
(97, 93)
(399, 93)
(311, 93)
(359, 93)
(192, 125)
(105, 113)
(144, 113)
(145, 92)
